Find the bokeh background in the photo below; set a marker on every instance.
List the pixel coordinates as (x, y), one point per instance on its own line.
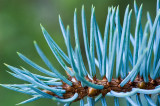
(19, 27)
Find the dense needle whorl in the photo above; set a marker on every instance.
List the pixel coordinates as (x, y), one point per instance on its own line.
(136, 73)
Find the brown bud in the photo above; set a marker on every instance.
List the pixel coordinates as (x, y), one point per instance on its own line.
(92, 91)
(141, 85)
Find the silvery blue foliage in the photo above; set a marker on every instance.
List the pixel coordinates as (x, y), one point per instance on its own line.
(113, 49)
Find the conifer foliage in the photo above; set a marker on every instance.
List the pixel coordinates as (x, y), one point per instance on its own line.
(137, 73)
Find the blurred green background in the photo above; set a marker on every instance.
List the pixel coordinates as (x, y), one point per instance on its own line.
(19, 27)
